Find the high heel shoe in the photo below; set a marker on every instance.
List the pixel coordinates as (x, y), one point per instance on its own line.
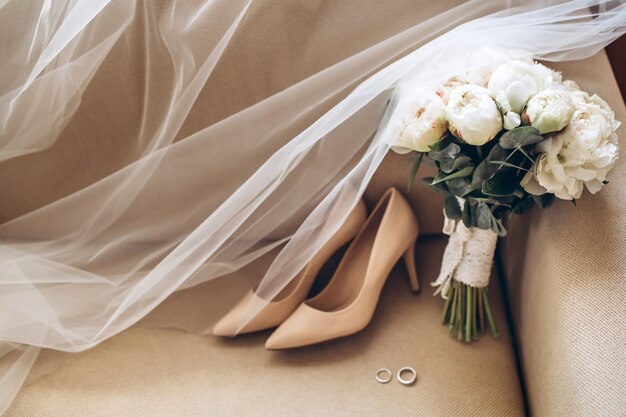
(280, 307)
(348, 302)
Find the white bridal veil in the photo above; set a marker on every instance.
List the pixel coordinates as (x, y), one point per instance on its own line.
(192, 197)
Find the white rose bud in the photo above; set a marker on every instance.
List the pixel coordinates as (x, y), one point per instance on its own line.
(581, 155)
(472, 115)
(423, 121)
(549, 111)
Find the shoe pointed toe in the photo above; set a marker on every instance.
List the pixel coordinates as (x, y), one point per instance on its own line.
(278, 340)
(296, 331)
(226, 326)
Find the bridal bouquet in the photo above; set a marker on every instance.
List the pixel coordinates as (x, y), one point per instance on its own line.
(518, 136)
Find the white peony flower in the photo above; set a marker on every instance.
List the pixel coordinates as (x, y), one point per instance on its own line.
(549, 110)
(567, 85)
(423, 123)
(447, 87)
(472, 115)
(581, 155)
(514, 83)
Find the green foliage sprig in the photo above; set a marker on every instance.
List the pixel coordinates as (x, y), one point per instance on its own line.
(487, 177)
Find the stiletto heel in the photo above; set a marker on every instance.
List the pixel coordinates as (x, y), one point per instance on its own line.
(348, 302)
(275, 311)
(409, 261)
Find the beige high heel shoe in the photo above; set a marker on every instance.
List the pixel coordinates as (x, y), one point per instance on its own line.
(280, 307)
(347, 304)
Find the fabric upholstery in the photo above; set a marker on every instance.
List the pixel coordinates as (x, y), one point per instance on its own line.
(567, 281)
(152, 372)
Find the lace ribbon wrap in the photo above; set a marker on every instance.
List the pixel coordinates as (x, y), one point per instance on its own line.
(468, 256)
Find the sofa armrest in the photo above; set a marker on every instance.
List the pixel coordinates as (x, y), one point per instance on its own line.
(566, 274)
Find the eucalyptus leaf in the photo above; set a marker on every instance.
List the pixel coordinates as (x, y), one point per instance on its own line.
(467, 214)
(482, 215)
(502, 183)
(438, 187)
(446, 157)
(413, 173)
(451, 165)
(532, 161)
(451, 150)
(485, 170)
(462, 161)
(508, 164)
(452, 208)
(505, 201)
(497, 227)
(460, 187)
(441, 144)
(519, 137)
(465, 172)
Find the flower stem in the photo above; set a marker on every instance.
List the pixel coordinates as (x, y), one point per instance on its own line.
(455, 290)
(474, 318)
(468, 315)
(446, 307)
(492, 324)
(466, 312)
(460, 312)
(481, 310)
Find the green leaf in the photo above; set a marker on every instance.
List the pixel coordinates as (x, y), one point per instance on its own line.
(413, 173)
(441, 144)
(446, 156)
(497, 227)
(465, 172)
(461, 161)
(485, 170)
(460, 187)
(502, 183)
(467, 214)
(452, 208)
(438, 187)
(532, 161)
(520, 136)
(482, 216)
(504, 201)
(508, 164)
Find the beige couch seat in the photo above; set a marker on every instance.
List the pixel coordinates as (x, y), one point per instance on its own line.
(153, 372)
(566, 273)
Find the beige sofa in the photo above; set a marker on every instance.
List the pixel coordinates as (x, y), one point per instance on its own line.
(559, 295)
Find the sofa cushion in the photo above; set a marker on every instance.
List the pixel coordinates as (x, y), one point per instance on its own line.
(155, 372)
(565, 269)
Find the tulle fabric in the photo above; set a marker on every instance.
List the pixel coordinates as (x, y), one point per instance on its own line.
(186, 207)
